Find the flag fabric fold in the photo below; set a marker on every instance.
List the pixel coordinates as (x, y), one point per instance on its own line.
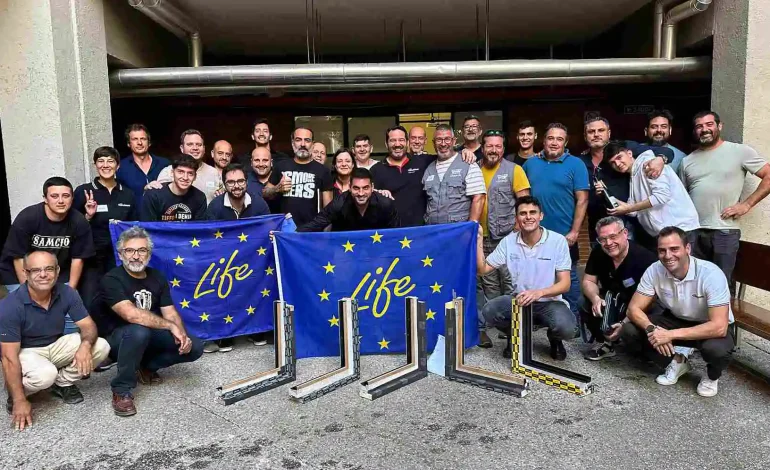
(222, 274)
(378, 269)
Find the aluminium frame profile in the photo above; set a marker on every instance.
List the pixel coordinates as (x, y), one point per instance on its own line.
(523, 363)
(350, 359)
(455, 367)
(416, 366)
(285, 360)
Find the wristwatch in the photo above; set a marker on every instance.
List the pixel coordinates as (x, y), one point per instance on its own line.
(650, 328)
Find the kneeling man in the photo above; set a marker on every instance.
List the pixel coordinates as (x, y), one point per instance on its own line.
(539, 262)
(36, 355)
(140, 322)
(696, 299)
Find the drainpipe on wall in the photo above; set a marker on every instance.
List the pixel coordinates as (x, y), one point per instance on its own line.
(175, 21)
(672, 18)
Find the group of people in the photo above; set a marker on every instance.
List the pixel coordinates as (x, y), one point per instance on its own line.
(71, 309)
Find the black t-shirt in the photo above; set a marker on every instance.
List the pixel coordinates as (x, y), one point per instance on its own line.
(161, 205)
(150, 293)
(33, 230)
(405, 185)
(517, 159)
(308, 181)
(626, 277)
(120, 204)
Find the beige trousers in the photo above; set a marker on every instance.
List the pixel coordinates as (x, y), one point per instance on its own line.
(42, 367)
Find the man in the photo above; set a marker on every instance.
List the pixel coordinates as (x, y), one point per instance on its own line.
(140, 322)
(658, 132)
(417, 140)
(262, 136)
(615, 266)
(472, 132)
(140, 168)
(236, 202)
(656, 203)
(221, 155)
(362, 149)
(539, 262)
(36, 355)
(505, 182)
(560, 182)
(302, 186)
(596, 132)
(696, 299)
(526, 137)
(358, 209)
(51, 226)
(714, 175)
(207, 179)
(179, 200)
(455, 189)
(261, 168)
(318, 152)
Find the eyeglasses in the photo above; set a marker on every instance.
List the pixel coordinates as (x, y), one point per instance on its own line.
(232, 183)
(34, 272)
(133, 251)
(471, 128)
(446, 140)
(609, 238)
(494, 133)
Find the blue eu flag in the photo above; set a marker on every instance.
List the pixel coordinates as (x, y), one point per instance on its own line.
(378, 269)
(222, 274)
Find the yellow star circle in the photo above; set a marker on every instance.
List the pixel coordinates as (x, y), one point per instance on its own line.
(269, 271)
(349, 246)
(436, 287)
(218, 234)
(185, 303)
(334, 321)
(329, 268)
(428, 261)
(405, 243)
(228, 319)
(324, 295)
(195, 242)
(175, 282)
(430, 314)
(265, 292)
(250, 310)
(204, 317)
(242, 237)
(384, 343)
(179, 260)
(376, 238)
(261, 251)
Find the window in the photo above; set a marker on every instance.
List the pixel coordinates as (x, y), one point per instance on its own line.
(375, 128)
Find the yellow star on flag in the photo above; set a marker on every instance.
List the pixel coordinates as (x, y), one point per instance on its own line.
(436, 287)
(250, 310)
(269, 271)
(349, 246)
(218, 234)
(405, 243)
(376, 238)
(179, 260)
(383, 344)
(430, 314)
(324, 295)
(261, 251)
(428, 261)
(242, 237)
(334, 321)
(204, 317)
(185, 303)
(175, 282)
(329, 267)
(228, 319)
(265, 292)
(195, 242)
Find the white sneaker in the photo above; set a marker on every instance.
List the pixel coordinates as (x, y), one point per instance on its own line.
(673, 371)
(708, 387)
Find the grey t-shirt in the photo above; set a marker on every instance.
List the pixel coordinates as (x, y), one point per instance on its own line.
(714, 179)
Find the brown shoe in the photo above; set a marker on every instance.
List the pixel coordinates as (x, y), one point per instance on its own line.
(123, 404)
(484, 341)
(148, 377)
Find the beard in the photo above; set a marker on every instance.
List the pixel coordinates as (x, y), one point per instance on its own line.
(302, 153)
(135, 266)
(659, 140)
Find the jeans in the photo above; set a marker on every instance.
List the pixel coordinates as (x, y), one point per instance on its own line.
(136, 346)
(573, 295)
(553, 314)
(69, 325)
(717, 352)
(720, 247)
(493, 285)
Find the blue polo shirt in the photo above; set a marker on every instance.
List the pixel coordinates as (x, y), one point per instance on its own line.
(554, 183)
(130, 175)
(23, 321)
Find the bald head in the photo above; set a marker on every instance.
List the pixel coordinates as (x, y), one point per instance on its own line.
(417, 140)
(222, 153)
(42, 269)
(261, 162)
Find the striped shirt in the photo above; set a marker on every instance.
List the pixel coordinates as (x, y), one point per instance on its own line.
(474, 180)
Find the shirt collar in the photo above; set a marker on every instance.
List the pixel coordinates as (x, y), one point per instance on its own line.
(246, 201)
(23, 291)
(404, 162)
(97, 185)
(543, 238)
(561, 159)
(690, 276)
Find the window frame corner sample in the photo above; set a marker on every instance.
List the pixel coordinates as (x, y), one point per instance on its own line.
(455, 368)
(523, 363)
(350, 358)
(285, 369)
(416, 366)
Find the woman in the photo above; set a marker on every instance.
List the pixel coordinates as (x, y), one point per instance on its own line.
(101, 200)
(342, 166)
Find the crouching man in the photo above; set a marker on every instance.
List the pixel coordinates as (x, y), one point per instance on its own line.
(696, 301)
(140, 322)
(36, 355)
